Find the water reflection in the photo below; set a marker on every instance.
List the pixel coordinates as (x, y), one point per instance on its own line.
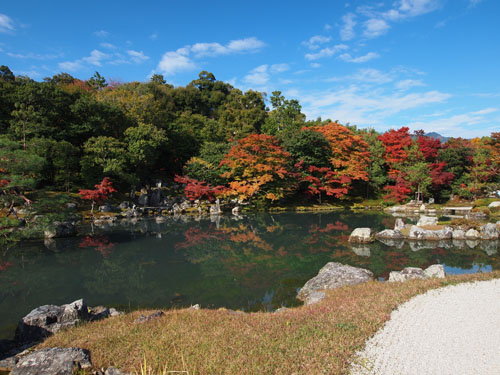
(252, 263)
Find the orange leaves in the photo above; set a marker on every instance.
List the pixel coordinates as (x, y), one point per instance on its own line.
(396, 143)
(199, 189)
(258, 167)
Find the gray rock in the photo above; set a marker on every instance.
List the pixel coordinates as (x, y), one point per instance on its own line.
(435, 271)
(361, 235)
(281, 309)
(176, 209)
(156, 197)
(427, 220)
(48, 319)
(495, 204)
(113, 371)
(185, 205)
(71, 206)
(60, 229)
(334, 275)
(124, 205)
(399, 224)
(409, 273)
(314, 297)
(390, 233)
(489, 231)
(458, 234)
(143, 200)
(417, 233)
(108, 208)
(472, 234)
(53, 361)
(145, 319)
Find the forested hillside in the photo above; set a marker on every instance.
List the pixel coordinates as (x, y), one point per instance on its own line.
(65, 134)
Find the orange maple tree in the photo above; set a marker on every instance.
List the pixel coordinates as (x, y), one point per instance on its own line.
(258, 168)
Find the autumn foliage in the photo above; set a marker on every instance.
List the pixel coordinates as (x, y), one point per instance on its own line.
(195, 189)
(99, 194)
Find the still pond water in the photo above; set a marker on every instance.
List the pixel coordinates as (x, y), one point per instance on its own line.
(255, 263)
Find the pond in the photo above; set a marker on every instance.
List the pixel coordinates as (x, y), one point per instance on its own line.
(253, 263)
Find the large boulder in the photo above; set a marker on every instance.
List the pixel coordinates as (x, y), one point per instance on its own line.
(53, 361)
(489, 232)
(390, 233)
(495, 204)
(417, 233)
(48, 319)
(409, 273)
(361, 235)
(435, 271)
(156, 197)
(60, 229)
(458, 234)
(472, 234)
(427, 220)
(143, 200)
(333, 275)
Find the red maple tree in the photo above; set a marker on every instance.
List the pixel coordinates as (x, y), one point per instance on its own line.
(199, 189)
(101, 193)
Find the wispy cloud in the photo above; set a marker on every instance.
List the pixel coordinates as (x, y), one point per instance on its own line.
(375, 27)
(137, 56)
(366, 76)
(101, 33)
(347, 30)
(279, 68)
(360, 59)
(108, 45)
(34, 56)
(95, 58)
(258, 76)
(326, 52)
(180, 60)
(407, 84)
(315, 41)
(6, 24)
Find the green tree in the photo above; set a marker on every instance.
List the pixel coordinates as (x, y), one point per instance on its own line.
(286, 113)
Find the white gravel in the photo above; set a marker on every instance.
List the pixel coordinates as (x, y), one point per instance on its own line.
(453, 330)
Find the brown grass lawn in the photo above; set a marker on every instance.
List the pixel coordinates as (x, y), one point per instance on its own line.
(318, 339)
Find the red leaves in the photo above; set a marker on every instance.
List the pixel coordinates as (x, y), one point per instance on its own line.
(3, 183)
(440, 178)
(429, 147)
(100, 244)
(199, 189)
(101, 192)
(395, 143)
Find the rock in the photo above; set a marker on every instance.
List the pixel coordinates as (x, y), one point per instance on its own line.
(60, 229)
(48, 319)
(334, 275)
(53, 361)
(185, 205)
(495, 204)
(194, 307)
(281, 309)
(431, 200)
(108, 208)
(409, 273)
(417, 233)
(143, 199)
(236, 210)
(489, 231)
(145, 319)
(156, 197)
(427, 220)
(314, 297)
(124, 205)
(472, 234)
(361, 235)
(71, 206)
(361, 250)
(458, 234)
(389, 233)
(113, 371)
(435, 271)
(399, 224)
(176, 209)
(215, 210)
(422, 207)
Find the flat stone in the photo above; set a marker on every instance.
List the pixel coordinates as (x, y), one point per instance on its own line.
(145, 319)
(390, 233)
(314, 297)
(53, 361)
(334, 275)
(409, 273)
(427, 220)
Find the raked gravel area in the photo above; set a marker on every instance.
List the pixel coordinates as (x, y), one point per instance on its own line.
(453, 330)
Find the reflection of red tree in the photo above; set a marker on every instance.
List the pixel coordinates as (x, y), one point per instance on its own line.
(5, 265)
(100, 244)
(329, 227)
(196, 236)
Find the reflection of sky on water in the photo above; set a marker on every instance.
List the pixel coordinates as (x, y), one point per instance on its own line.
(475, 268)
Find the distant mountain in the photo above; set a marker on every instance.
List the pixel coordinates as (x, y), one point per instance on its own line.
(437, 136)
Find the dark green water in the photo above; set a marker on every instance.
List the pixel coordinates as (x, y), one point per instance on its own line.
(256, 263)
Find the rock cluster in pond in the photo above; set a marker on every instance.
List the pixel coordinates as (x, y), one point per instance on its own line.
(361, 235)
(332, 275)
(412, 273)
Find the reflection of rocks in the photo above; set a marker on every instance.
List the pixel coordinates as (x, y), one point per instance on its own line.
(412, 273)
(59, 244)
(60, 361)
(361, 235)
(489, 231)
(472, 243)
(361, 250)
(399, 243)
(459, 243)
(490, 247)
(60, 229)
(333, 275)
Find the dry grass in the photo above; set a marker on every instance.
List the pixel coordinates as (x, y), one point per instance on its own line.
(318, 339)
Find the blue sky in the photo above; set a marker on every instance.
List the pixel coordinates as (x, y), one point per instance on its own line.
(426, 64)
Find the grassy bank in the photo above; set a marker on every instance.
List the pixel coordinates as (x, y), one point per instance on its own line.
(318, 339)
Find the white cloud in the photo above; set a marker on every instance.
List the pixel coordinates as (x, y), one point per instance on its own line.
(70, 66)
(34, 56)
(347, 30)
(315, 41)
(245, 45)
(315, 65)
(375, 27)
(108, 45)
(153, 36)
(6, 23)
(486, 111)
(175, 61)
(407, 84)
(328, 27)
(101, 33)
(361, 59)
(95, 58)
(367, 75)
(326, 52)
(258, 76)
(279, 68)
(137, 56)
